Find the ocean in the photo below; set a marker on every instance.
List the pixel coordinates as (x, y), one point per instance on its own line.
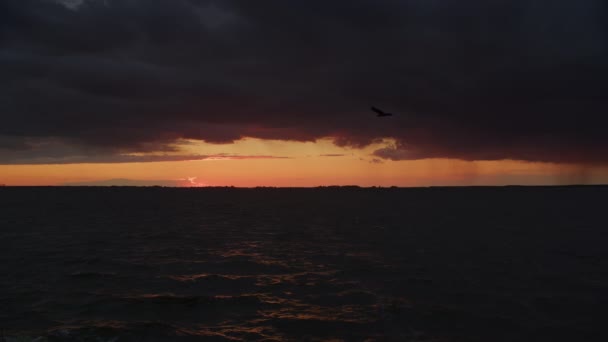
(323, 264)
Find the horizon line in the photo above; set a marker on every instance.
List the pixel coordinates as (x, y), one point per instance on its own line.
(308, 187)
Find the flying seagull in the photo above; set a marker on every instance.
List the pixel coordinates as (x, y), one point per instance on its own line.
(381, 113)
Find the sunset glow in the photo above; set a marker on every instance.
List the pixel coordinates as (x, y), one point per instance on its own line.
(389, 93)
(254, 162)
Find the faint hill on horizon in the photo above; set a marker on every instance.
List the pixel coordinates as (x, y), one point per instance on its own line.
(128, 182)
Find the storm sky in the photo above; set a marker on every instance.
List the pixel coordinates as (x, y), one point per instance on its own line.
(469, 79)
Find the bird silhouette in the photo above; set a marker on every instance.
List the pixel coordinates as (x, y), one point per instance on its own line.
(381, 113)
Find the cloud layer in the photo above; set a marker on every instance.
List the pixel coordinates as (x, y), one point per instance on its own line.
(472, 79)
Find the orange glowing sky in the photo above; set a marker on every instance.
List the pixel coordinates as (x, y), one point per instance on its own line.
(302, 164)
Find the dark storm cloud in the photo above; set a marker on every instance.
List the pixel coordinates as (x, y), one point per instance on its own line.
(466, 79)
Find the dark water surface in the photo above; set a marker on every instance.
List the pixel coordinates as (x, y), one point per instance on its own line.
(159, 264)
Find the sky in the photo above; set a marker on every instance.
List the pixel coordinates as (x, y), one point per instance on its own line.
(278, 93)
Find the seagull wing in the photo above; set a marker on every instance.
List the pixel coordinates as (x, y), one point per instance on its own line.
(378, 111)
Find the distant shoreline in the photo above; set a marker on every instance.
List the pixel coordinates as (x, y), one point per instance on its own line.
(331, 187)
